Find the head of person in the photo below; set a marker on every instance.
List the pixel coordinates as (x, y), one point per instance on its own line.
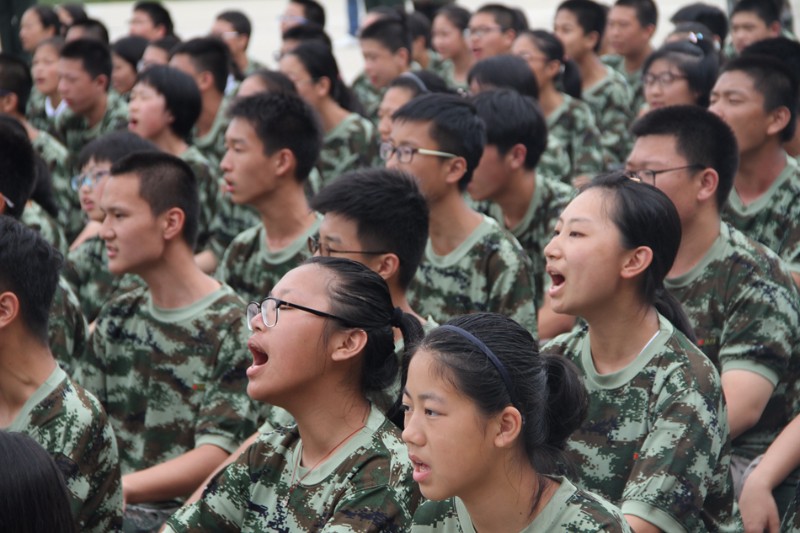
(377, 217)
(402, 90)
(545, 56)
(691, 32)
(150, 20)
(345, 306)
(631, 25)
(504, 405)
(164, 99)
(386, 47)
(302, 12)
(266, 81)
(69, 14)
(88, 29)
(516, 137)
(756, 95)
(44, 66)
(296, 35)
(37, 24)
(15, 84)
(754, 20)
(439, 138)
(126, 53)
(234, 29)
(503, 71)
(206, 59)
(18, 178)
(579, 25)
(711, 16)
(158, 52)
(680, 73)
(85, 74)
(313, 69)
(493, 28)
(447, 31)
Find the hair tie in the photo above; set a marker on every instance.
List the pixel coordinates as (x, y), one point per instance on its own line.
(397, 318)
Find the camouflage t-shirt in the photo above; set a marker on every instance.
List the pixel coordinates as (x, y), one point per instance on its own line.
(369, 96)
(56, 156)
(774, 218)
(573, 143)
(170, 379)
(655, 441)
(35, 111)
(212, 144)
(634, 80)
(351, 145)
(570, 509)
(252, 269)
(35, 217)
(71, 425)
(67, 329)
(208, 190)
(365, 486)
(489, 271)
(791, 522)
(610, 100)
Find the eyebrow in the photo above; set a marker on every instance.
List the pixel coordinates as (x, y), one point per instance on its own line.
(575, 219)
(425, 396)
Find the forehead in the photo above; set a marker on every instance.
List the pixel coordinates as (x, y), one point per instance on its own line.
(339, 228)
(240, 129)
(622, 14)
(220, 26)
(184, 63)
(122, 189)
(565, 17)
(93, 164)
(72, 66)
(662, 64)
(414, 133)
(141, 16)
(306, 283)
(290, 63)
(747, 18)
(482, 19)
(589, 204)
(396, 97)
(658, 149)
(739, 81)
(293, 9)
(373, 46)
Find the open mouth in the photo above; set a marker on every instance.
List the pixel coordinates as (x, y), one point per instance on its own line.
(260, 357)
(421, 470)
(556, 279)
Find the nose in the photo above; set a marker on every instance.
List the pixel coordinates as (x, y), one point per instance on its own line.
(411, 433)
(551, 250)
(106, 232)
(256, 323)
(224, 164)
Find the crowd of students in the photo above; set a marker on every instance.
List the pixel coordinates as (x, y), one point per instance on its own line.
(511, 279)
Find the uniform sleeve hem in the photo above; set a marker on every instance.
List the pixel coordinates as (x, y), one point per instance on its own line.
(219, 441)
(742, 364)
(658, 517)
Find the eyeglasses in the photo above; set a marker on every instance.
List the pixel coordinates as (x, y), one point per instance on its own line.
(649, 176)
(226, 35)
(663, 79)
(314, 246)
(481, 31)
(296, 19)
(88, 179)
(270, 311)
(405, 154)
(8, 202)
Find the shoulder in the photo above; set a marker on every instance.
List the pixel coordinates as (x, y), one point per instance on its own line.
(587, 511)
(680, 366)
(439, 516)
(567, 344)
(125, 305)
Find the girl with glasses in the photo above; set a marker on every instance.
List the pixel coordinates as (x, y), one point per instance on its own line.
(680, 73)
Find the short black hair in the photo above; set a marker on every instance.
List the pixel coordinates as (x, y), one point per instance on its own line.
(699, 62)
(782, 48)
(166, 43)
(15, 77)
(165, 181)
(392, 34)
(29, 267)
(590, 15)
(93, 29)
(283, 121)
(420, 82)
(766, 10)
(506, 17)
(709, 15)
(240, 22)
(646, 11)
(131, 49)
(208, 54)
(95, 57)
(181, 96)
(275, 81)
(157, 13)
(513, 119)
(307, 32)
(18, 176)
(113, 146)
(48, 17)
(420, 26)
(454, 125)
(389, 210)
(504, 71)
(313, 11)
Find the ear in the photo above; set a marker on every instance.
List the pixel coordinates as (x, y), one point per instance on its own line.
(388, 266)
(516, 156)
(285, 162)
(9, 308)
(102, 82)
(456, 168)
(775, 29)
(650, 29)
(173, 219)
(8, 103)
(779, 118)
(205, 80)
(508, 38)
(508, 426)
(403, 55)
(591, 38)
(709, 183)
(348, 344)
(323, 86)
(552, 67)
(637, 262)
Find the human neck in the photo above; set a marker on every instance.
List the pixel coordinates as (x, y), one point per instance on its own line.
(550, 99)
(451, 222)
(332, 114)
(285, 214)
(462, 63)
(175, 280)
(619, 332)
(25, 364)
(635, 60)
(758, 170)
(55, 98)
(241, 61)
(96, 113)
(698, 236)
(592, 70)
(516, 199)
(212, 100)
(170, 143)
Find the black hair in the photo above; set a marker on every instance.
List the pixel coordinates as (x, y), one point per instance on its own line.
(420, 26)
(390, 33)
(319, 61)
(389, 210)
(76, 12)
(766, 10)
(207, 54)
(275, 81)
(709, 15)
(29, 267)
(782, 48)
(33, 495)
(307, 32)
(48, 17)
(697, 61)
(158, 14)
(457, 15)
(113, 146)
(361, 298)
(15, 76)
(238, 20)
(454, 126)
(18, 177)
(165, 181)
(130, 49)
(504, 71)
(95, 57)
(313, 11)
(590, 15)
(645, 216)
(506, 17)
(420, 82)
(775, 80)
(56, 42)
(166, 43)
(283, 121)
(646, 11)
(513, 119)
(569, 77)
(181, 96)
(546, 389)
(92, 29)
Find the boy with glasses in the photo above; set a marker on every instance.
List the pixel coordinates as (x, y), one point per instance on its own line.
(492, 30)
(234, 29)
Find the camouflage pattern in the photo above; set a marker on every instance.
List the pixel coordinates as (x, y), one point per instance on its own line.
(68, 331)
(774, 218)
(489, 271)
(440, 66)
(86, 270)
(369, 96)
(35, 217)
(536, 228)
(212, 144)
(252, 269)
(351, 145)
(573, 143)
(71, 425)
(35, 111)
(655, 441)
(365, 486)
(633, 79)
(610, 100)
(231, 220)
(209, 191)
(570, 509)
(791, 521)
(170, 379)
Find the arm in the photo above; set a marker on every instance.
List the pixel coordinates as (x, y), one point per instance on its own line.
(641, 526)
(230, 459)
(746, 394)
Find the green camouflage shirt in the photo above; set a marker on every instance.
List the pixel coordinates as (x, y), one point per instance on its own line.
(351, 145)
(369, 96)
(634, 80)
(610, 100)
(170, 379)
(573, 143)
(655, 440)
(365, 486)
(231, 220)
(489, 271)
(774, 218)
(35, 217)
(252, 269)
(212, 144)
(35, 111)
(791, 522)
(440, 66)
(67, 329)
(570, 509)
(208, 190)
(71, 425)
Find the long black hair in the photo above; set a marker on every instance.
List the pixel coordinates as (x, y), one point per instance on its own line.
(318, 60)
(569, 77)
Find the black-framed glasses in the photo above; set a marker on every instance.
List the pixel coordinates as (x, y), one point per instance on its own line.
(663, 79)
(649, 176)
(479, 31)
(269, 309)
(405, 154)
(88, 179)
(314, 246)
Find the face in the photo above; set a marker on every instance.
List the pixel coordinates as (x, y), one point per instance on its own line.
(660, 92)
(31, 31)
(491, 175)
(448, 40)
(148, 116)
(293, 16)
(77, 87)
(487, 38)
(45, 69)
(624, 32)
(525, 48)
(447, 437)
(305, 85)
(142, 25)
(153, 55)
(251, 85)
(576, 43)
(123, 75)
(430, 171)
(247, 171)
(224, 30)
(381, 65)
(90, 195)
(747, 28)
(393, 99)
(338, 232)
(735, 99)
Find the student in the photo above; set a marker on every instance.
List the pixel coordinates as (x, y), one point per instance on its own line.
(38, 23)
(655, 441)
(757, 97)
(680, 73)
(486, 420)
(448, 40)
(752, 21)
(402, 90)
(126, 53)
(273, 143)
(302, 12)
(422, 52)
(234, 28)
(579, 25)
(157, 52)
(505, 71)
(45, 102)
(39, 398)
(166, 360)
(343, 465)
(738, 295)
(492, 30)
(470, 263)
(150, 20)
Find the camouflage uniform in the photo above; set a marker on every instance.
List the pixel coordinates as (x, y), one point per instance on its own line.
(67, 329)
(35, 217)
(791, 521)
(35, 111)
(351, 145)
(573, 143)
(252, 269)
(489, 271)
(570, 509)
(71, 425)
(208, 190)
(170, 379)
(369, 96)
(365, 486)
(253, 65)
(86, 270)
(212, 144)
(774, 218)
(655, 440)
(440, 66)
(634, 80)
(610, 100)
(231, 220)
